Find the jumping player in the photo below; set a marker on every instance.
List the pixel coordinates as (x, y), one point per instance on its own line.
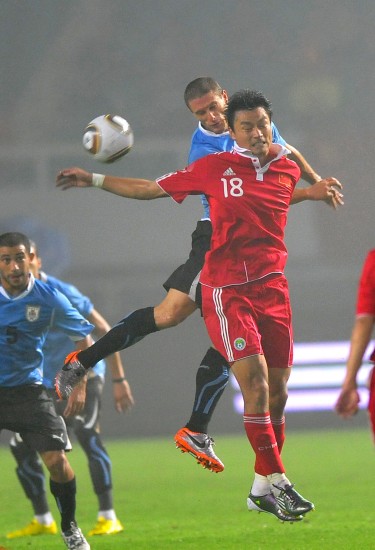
(246, 304)
(207, 101)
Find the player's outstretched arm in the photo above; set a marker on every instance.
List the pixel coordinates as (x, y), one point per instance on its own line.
(327, 189)
(131, 188)
(347, 402)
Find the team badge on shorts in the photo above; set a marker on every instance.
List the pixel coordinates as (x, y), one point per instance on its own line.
(239, 344)
(32, 313)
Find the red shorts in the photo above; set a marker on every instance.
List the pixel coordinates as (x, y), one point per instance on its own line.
(251, 319)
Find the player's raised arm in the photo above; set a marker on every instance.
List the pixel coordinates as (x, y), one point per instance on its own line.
(132, 188)
(327, 189)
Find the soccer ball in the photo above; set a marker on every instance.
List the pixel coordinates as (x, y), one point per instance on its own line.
(108, 138)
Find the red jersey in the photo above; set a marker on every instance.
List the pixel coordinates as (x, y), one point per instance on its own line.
(248, 209)
(366, 288)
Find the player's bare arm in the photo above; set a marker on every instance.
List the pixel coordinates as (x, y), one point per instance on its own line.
(347, 402)
(132, 188)
(328, 190)
(308, 174)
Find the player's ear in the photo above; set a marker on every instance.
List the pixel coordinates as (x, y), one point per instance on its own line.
(224, 93)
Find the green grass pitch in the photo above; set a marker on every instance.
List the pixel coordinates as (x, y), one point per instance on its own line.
(166, 501)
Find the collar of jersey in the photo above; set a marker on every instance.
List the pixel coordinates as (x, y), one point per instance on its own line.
(212, 134)
(24, 293)
(246, 153)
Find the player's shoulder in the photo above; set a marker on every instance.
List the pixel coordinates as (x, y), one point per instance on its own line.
(47, 292)
(68, 289)
(287, 164)
(214, 159)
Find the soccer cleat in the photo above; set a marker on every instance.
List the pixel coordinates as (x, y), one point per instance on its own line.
(267, 503)
(292, 502)
(74, 539)
(200, 446)
(34, 528)
(106, 527)
(69, 376)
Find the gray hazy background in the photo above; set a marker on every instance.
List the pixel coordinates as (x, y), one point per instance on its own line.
(64, 63)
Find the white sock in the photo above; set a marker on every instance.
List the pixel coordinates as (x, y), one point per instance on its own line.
(278, 479)
(44, 519)
(261, 486)
(107, 514)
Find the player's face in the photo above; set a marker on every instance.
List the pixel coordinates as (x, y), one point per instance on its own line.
(209, 110)
(252, 130)
(14, 268)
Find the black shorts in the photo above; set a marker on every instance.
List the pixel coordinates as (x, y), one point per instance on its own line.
(186, 277)
(29, 411)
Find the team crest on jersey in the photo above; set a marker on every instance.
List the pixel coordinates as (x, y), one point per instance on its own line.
(285, 179)
(32, 313)
(239, 344)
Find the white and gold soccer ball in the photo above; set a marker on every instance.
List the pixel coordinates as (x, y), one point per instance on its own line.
(108, 138)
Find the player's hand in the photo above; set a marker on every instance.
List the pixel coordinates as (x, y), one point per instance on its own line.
(347, 403)
(76, 400)
(73, 177)
(329, 191)
(123, 397)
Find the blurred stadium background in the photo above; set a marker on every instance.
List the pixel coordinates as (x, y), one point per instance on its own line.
(63, 63)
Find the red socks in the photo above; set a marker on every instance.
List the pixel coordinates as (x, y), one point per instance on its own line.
(262, 438)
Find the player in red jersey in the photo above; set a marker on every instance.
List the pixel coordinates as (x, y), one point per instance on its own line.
(246, 304)
(347, 403)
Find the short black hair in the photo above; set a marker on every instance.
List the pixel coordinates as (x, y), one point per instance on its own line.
(246, 100)
(200, 87)
(14, 238)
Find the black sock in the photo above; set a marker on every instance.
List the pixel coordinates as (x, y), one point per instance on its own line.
(126, 333)
(212, 377)
(65, 496)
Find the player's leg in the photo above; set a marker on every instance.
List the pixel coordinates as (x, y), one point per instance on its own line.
(251, 375)
(277, 343)
(211, 380)
(234, 305)
(278, 394)
(174, 309)
(86, 428)
(50, 441)
(212, 375)
(273, 314)
(31, 476)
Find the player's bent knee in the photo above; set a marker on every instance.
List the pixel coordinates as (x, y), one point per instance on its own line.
(58, 466)
(172, 314)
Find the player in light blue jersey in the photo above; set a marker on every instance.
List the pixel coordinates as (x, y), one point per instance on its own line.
(207, 102)
(86, 425)
(28, 309)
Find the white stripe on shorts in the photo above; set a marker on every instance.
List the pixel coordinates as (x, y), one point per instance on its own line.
(216, 294)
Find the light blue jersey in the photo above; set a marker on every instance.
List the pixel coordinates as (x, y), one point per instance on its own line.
(205, 143)
(58, 345)
(24, 323)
